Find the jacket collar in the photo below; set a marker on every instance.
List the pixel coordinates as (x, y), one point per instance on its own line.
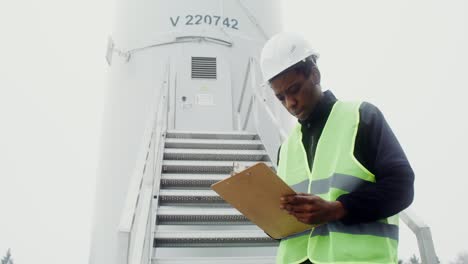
(321, 110)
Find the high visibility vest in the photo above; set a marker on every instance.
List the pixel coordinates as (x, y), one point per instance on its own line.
(335, 171)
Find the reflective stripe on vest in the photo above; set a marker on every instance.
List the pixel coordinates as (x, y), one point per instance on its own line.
(303, 186)
(372, 228)
(335, 171)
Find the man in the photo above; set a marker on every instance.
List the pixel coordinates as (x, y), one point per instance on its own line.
(350, 173)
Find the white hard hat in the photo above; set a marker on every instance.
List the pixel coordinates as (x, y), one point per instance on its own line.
(282, 51)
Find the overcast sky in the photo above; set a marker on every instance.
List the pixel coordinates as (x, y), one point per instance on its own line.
(407, 57)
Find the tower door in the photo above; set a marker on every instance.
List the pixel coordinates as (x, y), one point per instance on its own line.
(203, 96)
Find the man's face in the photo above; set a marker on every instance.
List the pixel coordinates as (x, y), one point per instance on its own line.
(298, 94)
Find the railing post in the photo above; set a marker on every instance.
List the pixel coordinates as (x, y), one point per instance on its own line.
(137, 216)
(423, 235)
(241, 97)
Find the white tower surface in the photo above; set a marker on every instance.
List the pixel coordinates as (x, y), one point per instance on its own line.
(174, 65)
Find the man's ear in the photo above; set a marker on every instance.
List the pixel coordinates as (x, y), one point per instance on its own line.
(315, 75)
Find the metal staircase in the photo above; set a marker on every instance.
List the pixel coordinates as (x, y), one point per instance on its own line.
(193, 224)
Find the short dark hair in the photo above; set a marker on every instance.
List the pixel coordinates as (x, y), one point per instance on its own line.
(303, 67)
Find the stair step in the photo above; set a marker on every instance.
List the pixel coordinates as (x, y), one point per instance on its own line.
(217, 260)
(212, 143)
(213, 167)
(211, 135)
(172, 180)
(213, 252)
(194, 197)
(215, 154)
(190, 215)
(175, 236)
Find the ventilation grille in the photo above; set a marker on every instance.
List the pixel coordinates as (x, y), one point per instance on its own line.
(203, 68)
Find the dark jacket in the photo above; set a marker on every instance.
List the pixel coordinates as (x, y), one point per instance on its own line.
(376, 148)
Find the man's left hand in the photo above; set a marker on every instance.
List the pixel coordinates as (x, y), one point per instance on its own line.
(311, 209)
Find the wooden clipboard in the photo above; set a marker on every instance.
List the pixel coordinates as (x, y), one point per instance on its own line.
(256, 193)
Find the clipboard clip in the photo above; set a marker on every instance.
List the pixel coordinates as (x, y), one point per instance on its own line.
(237, 167)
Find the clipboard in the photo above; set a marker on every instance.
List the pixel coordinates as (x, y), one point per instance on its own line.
(256, 192)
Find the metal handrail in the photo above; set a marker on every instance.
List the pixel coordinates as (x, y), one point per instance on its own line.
(126, 218)
(128, 211)
(135, 214)
(282, 133)
(139, 229)
(263, 103)
(127, 54)
(244, 86)
(250, 72)
(241, 98)
(157, 172)
(253, 20)
(423, 235)
(271, 143)
(248, 113)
